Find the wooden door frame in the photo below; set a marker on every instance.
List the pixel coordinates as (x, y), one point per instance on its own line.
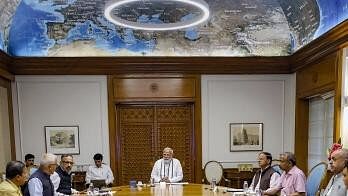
(302, 110)
(7, 84)
(197, 118)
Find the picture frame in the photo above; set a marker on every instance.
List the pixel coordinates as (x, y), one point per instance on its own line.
(62, 139)
(246, 137)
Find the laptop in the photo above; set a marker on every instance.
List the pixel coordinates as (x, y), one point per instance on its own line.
(98, 183)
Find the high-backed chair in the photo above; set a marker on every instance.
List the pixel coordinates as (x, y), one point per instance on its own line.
(277, 168)
(213, 170)
(314, 178)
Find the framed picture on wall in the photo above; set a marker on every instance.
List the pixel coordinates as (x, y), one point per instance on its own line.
(62, 139)
(246, 137)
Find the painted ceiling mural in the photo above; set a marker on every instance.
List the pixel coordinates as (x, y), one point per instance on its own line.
(234, 28)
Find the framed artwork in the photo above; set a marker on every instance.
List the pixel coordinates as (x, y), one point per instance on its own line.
(246, 137)
(62, 139)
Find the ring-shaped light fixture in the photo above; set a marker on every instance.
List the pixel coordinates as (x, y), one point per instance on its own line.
(200, 4)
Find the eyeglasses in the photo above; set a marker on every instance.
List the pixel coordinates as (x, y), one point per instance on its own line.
(68, 162)
(32, 160)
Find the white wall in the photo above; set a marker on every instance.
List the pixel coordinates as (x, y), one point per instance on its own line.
(269, 99)
(61, 101)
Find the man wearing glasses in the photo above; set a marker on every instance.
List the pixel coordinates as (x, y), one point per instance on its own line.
(61, 178)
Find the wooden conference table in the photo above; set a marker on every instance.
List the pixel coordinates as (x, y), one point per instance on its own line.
(170, 190)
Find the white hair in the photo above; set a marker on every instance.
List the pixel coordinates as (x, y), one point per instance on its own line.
(168, 149)
(48, 158)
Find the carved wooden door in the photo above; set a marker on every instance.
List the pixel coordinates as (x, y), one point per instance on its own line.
(143, 132)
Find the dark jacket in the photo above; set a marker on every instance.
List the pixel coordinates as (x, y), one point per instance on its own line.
(265, 178)
(65, 181)
(47, 186)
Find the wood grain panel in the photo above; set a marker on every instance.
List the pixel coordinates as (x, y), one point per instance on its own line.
(301, 133)
(175, 129)
(338, 97)
(5, 61)
(236, 178)
(313, 80)
(7, 84)
(145, 130)
(328, 43)
(174, 117)
(136, 143)
(129, 88)
(317, 78)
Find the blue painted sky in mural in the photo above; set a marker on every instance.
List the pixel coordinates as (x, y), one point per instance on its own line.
(332, 12)
(1, 43)
(28, 34)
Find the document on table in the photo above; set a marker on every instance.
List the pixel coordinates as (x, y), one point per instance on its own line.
(234, 190)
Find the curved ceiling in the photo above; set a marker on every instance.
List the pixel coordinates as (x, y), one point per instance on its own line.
(235, 28)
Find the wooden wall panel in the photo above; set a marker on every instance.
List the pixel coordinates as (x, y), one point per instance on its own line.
(136, 136)
(7, 85)
(5, 61)
(143, 88)
(301, 133)
(149, 65)
(177, 118)
(328, 43)
(175, 128)
(317, 78)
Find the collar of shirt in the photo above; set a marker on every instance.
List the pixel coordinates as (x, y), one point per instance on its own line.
(265, 168)
(12, 184)
(101, 166)
(338, 175)
(292, 170)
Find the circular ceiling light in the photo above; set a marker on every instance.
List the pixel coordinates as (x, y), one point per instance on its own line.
(200, 4)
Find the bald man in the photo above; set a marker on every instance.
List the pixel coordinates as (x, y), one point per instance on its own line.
(292, 182)
(336, 185)
(167, 169)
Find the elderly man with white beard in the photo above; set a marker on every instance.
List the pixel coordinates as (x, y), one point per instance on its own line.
(167, 169)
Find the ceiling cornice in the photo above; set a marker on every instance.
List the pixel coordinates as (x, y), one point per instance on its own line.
(116, 65)
(5, 62)
(331, 41)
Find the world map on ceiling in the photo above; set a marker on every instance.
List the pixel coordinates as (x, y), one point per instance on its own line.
(235, 28)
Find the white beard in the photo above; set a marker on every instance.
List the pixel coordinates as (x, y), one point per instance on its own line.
(166, 162)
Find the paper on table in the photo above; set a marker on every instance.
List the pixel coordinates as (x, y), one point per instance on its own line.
(178, 183)
(234, 190)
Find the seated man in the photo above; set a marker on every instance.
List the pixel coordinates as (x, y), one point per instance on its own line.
(61, 178)
(40, 183)
(16, 176)
(266, 178)
(99, 171)
(29, 163)
(293, 181)
(345, 175)
(167, 169)
(337, 163)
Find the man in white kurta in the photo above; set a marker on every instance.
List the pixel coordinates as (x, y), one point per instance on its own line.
(167, 169)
